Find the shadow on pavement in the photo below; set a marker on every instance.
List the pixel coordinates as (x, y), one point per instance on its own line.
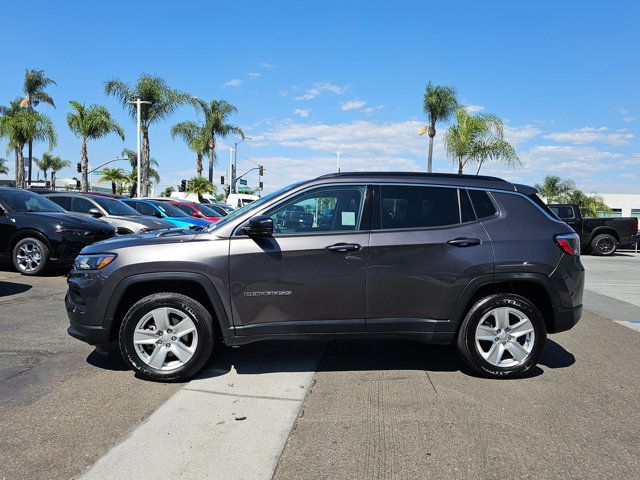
(11, 288)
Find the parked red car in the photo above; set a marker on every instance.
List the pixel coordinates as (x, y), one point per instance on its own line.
(199, 210)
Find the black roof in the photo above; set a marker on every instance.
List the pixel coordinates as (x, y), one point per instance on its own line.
(454, 179)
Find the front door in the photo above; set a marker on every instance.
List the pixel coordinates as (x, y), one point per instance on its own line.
(309, 277)
(425, 247)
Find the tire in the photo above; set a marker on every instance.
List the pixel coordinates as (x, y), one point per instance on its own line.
(30, 256)
(604, 245)
(152, 321)
(476, 352)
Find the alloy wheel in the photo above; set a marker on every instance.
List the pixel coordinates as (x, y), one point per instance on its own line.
(165, 338)
(29, 257)
(505, 337)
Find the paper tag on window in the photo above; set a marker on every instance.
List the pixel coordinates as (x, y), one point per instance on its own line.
(348, 219)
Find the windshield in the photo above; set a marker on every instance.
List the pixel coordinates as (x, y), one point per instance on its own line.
(24, 201)
(211, 210)
(250, 206)
(115, 207)
(169, 210)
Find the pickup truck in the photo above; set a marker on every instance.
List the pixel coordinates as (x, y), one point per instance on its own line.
(600, 236)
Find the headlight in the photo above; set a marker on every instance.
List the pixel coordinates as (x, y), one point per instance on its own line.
(72, 231)
(93, 262)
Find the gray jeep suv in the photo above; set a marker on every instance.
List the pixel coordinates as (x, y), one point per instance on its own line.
(451, 259)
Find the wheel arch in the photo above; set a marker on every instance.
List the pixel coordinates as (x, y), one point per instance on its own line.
(600, 230)
(26, 233)
(534, 287)
(194, 285)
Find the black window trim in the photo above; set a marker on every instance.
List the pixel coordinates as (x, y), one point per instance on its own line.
(377, 226)
(491, 199)
(362, 227)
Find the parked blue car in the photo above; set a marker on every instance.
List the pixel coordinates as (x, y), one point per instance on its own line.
(166, 211)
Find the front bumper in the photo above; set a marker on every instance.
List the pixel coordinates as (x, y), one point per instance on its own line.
(78, 327)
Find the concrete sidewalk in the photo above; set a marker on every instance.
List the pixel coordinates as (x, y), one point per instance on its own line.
(231, 422)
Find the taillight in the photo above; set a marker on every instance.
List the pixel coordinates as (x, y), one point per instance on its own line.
(569, 243)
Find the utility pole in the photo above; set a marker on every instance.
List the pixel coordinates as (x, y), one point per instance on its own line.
(138, 104)
(338, 161)
(234, 163)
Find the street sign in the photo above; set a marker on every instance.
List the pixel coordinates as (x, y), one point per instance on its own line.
(242, 181)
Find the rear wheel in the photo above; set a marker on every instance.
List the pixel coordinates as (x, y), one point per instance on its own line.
(166, 337)
(502, 336)
(604, 244)
(30, 256)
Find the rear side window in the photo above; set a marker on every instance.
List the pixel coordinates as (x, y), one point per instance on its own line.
(538, 201)
(64, 202)
(482, 203)
(418, 207)
(81, 205)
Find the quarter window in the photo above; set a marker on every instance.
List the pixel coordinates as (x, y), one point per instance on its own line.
(419, 207)
(64, 202)
(323, 210)
(482, 203)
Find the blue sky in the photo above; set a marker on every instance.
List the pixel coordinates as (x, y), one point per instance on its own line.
(309, 78)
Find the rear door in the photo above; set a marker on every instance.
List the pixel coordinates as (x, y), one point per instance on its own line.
(309, 277)
(426, 246)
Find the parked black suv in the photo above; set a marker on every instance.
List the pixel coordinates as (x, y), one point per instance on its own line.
(34, 231)
(435, 257)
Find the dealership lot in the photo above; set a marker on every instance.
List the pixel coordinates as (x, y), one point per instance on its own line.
(355, 409)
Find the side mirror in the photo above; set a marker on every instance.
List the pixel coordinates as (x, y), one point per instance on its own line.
(94, 212)
(196, 214)
(259, 226)
(157, 214)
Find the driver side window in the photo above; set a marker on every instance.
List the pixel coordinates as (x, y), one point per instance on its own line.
(333, 209)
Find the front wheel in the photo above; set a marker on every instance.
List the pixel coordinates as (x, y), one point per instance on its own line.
(604, 244)
(166, 337)
(502, 336)
(30, 256)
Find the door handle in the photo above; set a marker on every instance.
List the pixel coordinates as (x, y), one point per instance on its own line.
(343, 247)
(464, 242)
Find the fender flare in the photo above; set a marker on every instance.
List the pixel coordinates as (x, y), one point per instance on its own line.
(219, 313)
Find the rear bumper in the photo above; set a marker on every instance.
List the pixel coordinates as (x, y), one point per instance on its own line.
(565, 318)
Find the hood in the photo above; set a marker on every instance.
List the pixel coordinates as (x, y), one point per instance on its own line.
(174, 235)
(141, 220)
(185, 221)
(68, 220)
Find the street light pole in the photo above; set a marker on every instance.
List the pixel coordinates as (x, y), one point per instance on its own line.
(138, 102)
(235, 157)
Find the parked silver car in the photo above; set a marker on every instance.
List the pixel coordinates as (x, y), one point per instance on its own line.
(120, 215)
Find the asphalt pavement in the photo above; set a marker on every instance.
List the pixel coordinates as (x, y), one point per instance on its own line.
(343, 409)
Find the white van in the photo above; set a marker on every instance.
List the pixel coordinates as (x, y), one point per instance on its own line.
(239, 200)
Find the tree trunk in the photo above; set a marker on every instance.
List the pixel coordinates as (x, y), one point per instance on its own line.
(113, 187)
(19, 168)
(460, 166)
(479, 167)
(30, 159)
(84, 165)
(212, 156)
(432, 133)
(199, 164)
(53, 179)
(144, 164)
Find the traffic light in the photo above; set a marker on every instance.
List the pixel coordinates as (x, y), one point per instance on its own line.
(261, 171)
(78, 183)
(79, 167)
(183, 186)
(261, 186)
(222, 180)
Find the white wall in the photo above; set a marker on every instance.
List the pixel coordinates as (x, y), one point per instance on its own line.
(624, 201)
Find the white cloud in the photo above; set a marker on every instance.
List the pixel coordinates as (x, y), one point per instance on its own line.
(516, 135)
(283, 93)
(301, 112)
(267, 65)
(254, 75)
(235, 82)
(320, 88)
(581, 136)
(576, 162)
(352, 105)
(473, 108)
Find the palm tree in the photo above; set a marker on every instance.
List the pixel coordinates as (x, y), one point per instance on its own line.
(22, 127)
(554, 189)
(195, 137)
(35, 83)
(56, 165)
(164, 101)
(167, 192)
(132, 176)
(200, 185)
(44, 163)
(216, 114)
(476, 139)
(439, 104)
(3, 167)
(113, 175)
(90, 123)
